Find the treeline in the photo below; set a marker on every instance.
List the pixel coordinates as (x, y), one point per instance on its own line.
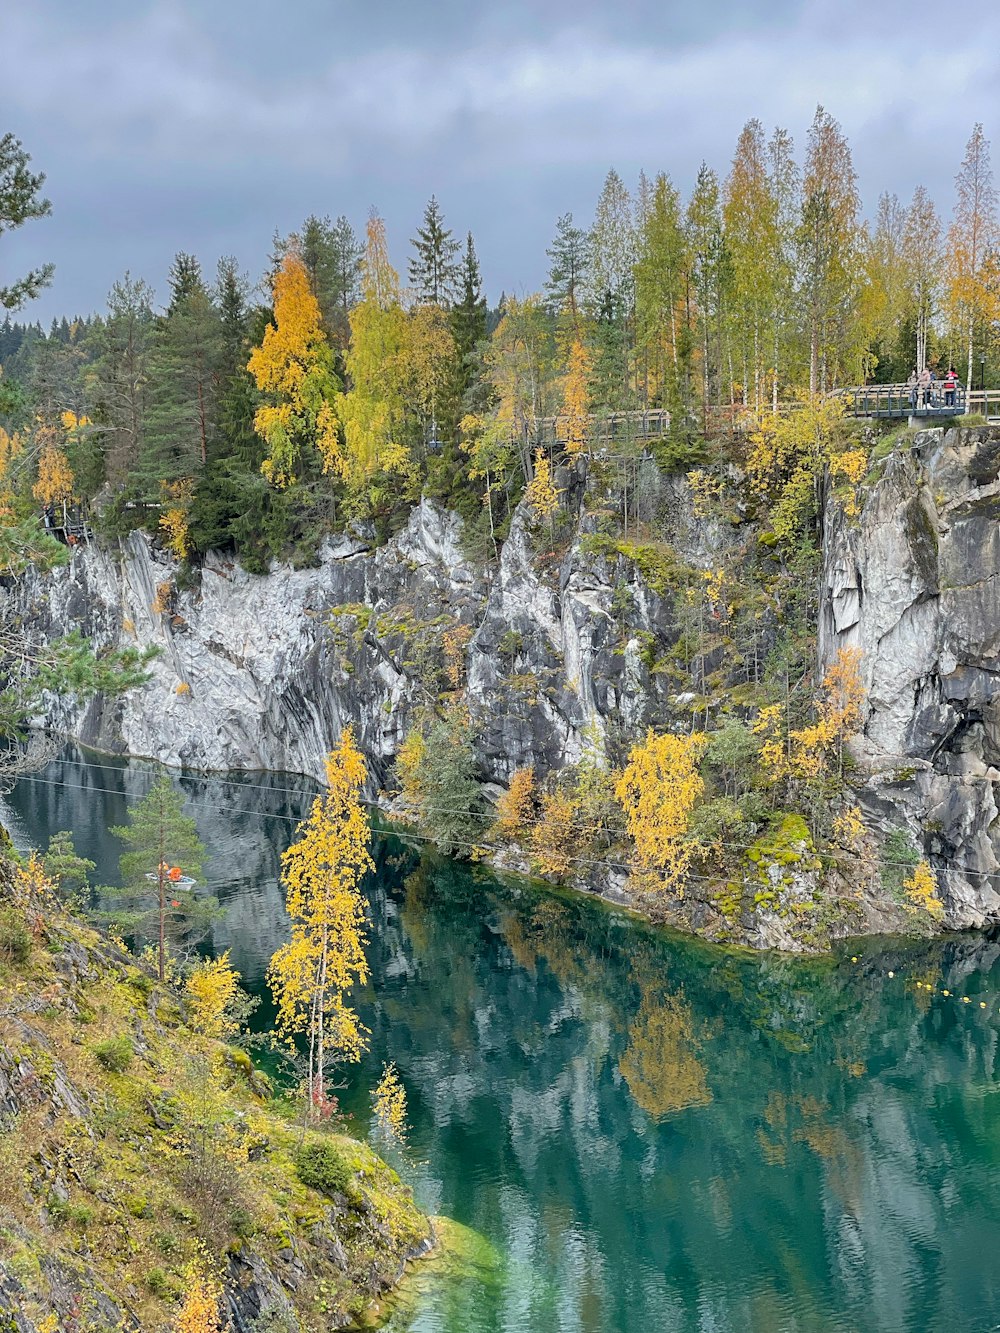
(229, 422)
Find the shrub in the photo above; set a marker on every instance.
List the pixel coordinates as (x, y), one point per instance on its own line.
(158, 1283)
(320, 1166)
(15, 942)
(115, 1054)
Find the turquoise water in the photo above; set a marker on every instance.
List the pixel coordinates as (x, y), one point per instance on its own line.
(652, 1134)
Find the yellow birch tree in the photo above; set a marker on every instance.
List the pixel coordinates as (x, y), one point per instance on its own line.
(657, 791)
(311, 975)
(293, 368)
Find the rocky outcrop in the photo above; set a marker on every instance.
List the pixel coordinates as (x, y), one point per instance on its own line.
(263, 672)
(914, 583)
(572, 637)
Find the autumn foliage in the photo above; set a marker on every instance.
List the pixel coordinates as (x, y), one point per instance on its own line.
(312, 975)
(657, 791)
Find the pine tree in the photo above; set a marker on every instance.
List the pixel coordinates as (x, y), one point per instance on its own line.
(184, 278)
(440, 793)
(567, 277)
(160, 838)
(433, 270)
(20, 201)
(117, 382)
(183, 392)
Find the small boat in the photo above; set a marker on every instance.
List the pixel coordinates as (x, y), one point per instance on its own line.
(183, 882)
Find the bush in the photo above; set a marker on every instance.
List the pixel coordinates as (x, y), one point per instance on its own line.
(15, 942)
(115, 1054)
(320, 1166)
(159, 1284)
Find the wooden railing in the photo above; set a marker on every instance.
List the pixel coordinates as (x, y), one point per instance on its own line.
(643, 424)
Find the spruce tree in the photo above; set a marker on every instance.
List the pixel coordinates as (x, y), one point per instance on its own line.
(185, 279)
(434, 272)
(468, 317)
(161, 837)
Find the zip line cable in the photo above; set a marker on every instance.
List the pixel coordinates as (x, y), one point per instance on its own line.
(405, 834)
(569, 826)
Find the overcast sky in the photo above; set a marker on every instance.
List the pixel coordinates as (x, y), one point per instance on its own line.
(204, 125)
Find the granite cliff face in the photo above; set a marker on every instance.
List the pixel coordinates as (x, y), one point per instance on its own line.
(263, 672)
(914, 582)
(556, 646)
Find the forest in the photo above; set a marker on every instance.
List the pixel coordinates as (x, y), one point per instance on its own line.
(254, 417)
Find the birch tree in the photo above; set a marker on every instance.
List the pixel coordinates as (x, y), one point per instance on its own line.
(312, 975)
(972, 240)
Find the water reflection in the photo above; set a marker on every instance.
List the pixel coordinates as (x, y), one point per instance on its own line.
(654, 1134)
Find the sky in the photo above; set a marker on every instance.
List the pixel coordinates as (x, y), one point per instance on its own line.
(207, 125)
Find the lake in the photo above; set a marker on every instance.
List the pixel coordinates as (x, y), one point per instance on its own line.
(651, 1134)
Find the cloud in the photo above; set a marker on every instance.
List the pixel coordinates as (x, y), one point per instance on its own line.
(181, 119)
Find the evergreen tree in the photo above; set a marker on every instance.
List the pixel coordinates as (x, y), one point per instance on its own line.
(468, 318)
(184, 278)
(434, 271)
(437, 771)
(230, 296)
(348, 252)
(183, 392)
(19, 201)
(161, 839)
(567, 276)
(117, 383)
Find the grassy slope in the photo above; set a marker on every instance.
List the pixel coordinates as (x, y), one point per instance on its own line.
(118, 1181)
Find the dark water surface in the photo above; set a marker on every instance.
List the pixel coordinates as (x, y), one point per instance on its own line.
(654, 1135)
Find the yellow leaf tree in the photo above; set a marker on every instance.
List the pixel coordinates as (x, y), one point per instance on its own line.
(541, 494)
(55, 476)
(373, 411)
(657, 791)
(389, 1104)
(293, 368)
(970, 286)
(516, 806)
(312, 974)
(552, 836)
(200, 1311)
(211, 989)
(573, 423)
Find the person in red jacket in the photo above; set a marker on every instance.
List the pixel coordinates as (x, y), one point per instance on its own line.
(950, 385)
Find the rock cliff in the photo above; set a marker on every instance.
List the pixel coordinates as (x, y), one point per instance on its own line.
(570, 636)
(913, 582)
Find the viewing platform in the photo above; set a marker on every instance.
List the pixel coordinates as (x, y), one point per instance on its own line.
(901, 401)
